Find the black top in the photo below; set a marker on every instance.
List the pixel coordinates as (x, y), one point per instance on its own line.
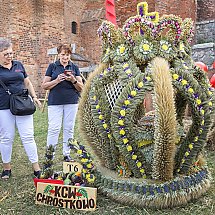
(64, 92)
(13, 78)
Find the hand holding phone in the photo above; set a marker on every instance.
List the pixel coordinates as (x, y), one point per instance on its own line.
(68, 72)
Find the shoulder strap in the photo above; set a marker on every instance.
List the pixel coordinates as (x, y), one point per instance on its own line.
(4, 86)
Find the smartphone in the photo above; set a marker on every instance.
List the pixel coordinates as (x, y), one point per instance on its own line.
(68, 72)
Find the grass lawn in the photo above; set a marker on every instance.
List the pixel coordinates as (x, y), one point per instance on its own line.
(17, 195)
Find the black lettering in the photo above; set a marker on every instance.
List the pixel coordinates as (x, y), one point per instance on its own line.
(57, 191)
(60, 203)
(64, 192)
(39, 195)
(72, 204)
(66, 201)
(92, 203)
(43, 198)
(49, 200)
(71, 192)
(85, 203)
(70, 167)
(55, 202)
(78, 204)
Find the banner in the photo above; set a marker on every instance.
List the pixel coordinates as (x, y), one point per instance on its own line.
(110, 11)
(65, 196)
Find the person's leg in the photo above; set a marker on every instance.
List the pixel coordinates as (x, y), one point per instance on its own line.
(7, 133)
(70, 112)
(55, 114)
(25, 127)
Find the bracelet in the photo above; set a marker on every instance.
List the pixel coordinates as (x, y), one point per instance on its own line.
(75, 82)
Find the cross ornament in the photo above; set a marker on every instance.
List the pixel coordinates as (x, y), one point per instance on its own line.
(142, 10)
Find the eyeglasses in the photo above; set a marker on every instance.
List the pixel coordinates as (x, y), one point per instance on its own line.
(8, 54)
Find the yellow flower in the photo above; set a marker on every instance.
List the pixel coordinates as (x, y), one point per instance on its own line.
(94, 98)
(122, 132)
(182, 161)
(144, 176)
(203, 122)
(126, 102)
(121, 122)
(209, 93)
(142, 170)
(196, 139)
(109, 136)
(128, 71)
(184, 82)
(139, 164)
(198, 101)
(146, 47)
(122, 112)
(90, 178)
(140, 84)
(105, 125)
(202, 112)
(175, 76)
(79, 151)
(133, 93)
(200, 131)
(100, 117)
(165, 47)
(129, 148)
(97, 107)
(210, 103)
(125, 140)
(181, 47)
(190, 90)
(89, 165)
(190, 146)
(186, 154)
(122, 49)
(105, 72)
(148, 78)
(125, 65)
(134, 157)
(84, 170)
(84, 160)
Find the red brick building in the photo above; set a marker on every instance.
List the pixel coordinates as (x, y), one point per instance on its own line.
(35, 26)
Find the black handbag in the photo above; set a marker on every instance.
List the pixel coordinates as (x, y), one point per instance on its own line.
(21, 104)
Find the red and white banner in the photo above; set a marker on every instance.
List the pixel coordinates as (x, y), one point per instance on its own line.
(110, 11)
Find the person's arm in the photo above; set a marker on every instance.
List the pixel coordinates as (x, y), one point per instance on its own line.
(76, 81)
(31, 90)
(48, 84)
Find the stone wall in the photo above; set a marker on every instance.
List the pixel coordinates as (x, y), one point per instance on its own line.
(205, 31)
(204, 53)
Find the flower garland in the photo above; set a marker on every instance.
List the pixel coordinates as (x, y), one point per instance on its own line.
(123, 108)
(85, 159)
(193, 142)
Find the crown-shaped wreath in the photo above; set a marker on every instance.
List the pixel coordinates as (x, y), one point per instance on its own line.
(147, 158)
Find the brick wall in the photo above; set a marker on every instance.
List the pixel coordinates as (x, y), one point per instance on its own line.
(205, 10)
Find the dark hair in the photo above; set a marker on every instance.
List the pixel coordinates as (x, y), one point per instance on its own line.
(65, 47)
(4, 44)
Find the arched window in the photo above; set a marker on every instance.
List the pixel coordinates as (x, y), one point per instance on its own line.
(74, 27)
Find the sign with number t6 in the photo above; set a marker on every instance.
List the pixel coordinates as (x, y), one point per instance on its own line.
(72, 167)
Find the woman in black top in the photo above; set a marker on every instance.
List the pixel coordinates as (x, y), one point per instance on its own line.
(14, 76)
(64, 82)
